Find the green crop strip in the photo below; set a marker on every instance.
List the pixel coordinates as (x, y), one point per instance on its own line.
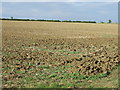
(36, 49)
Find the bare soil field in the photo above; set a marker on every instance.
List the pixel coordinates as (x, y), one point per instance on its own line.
(59, 55)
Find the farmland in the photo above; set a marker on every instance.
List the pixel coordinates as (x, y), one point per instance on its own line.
(59, 54)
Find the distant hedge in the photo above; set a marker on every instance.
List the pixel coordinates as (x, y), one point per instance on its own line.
(49, 20)
(80, 21)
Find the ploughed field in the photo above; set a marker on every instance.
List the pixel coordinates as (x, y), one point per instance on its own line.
(57, 54)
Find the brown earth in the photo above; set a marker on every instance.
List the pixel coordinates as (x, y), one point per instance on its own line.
(90, 48)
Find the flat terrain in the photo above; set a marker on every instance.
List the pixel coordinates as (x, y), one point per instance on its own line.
(60, 55)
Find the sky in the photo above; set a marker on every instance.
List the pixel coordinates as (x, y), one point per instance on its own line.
(60, 0)
(81, 11)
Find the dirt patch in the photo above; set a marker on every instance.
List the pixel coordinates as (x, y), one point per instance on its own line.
(56, 44)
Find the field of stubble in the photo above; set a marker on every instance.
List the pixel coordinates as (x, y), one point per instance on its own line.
(59, 55)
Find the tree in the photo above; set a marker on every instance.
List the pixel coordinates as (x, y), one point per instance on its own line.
(101, 22)
(110, 21)
(11, 17)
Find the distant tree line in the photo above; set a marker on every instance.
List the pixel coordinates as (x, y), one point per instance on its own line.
(80, 21)
(47, 20)
(109, 21)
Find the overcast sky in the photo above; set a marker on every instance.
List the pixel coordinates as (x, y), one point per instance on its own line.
(60, 0)
(97, 11)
